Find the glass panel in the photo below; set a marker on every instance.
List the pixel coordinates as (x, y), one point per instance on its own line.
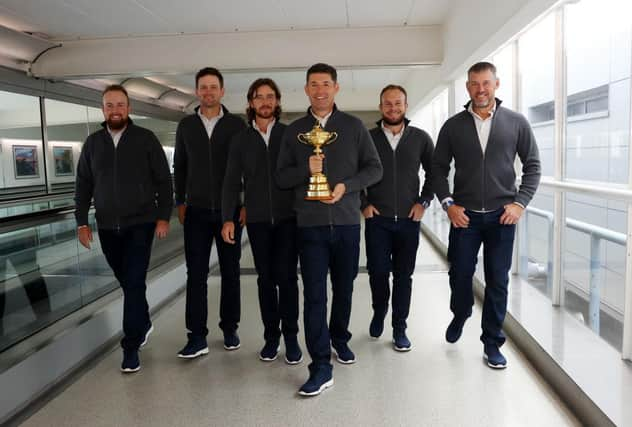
(45, 274)
(461, 96)
(594, 264)
(598, 89)
(503, 61)
(21, 165)
(537, 72)
(535, 242)
(67, 129)
(95, 118)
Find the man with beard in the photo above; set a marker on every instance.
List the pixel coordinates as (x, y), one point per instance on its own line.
(328, 230)
(202, 145)
(393, 209)
(124, 169)
(485, 205)
(271, 219)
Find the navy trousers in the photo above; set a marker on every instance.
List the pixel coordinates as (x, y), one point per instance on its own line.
(201, 226)
(464, 244)
(127, 251)
(391, 246)
(276, 257)
(335, 249)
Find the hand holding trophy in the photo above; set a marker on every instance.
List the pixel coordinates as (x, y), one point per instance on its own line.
(318, 185)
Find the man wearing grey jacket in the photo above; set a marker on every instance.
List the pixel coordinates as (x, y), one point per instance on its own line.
(485, 205)
(328, 230)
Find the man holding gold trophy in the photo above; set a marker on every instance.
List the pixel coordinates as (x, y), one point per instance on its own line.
(327, 149)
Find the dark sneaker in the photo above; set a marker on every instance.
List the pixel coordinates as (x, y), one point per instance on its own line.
(376, 327)
(269, 351)
(344, 354)
(494, 357)
(401, 341)
(455, 329)
(231, 341)
(148, 332)
(131, 362)
(318, 381)
(194, 348)
(293, 353)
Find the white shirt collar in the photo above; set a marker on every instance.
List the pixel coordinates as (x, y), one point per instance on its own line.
(393, 138)
(322, 120)
(470, 109)
(265, 135)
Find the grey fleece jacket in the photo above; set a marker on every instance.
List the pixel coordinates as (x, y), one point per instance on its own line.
(351, 159)
(486, 181)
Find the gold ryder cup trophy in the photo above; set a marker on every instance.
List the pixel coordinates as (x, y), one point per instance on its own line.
(317, 137)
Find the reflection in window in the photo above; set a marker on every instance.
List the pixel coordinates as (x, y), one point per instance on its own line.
(21, 168)
(66, 126)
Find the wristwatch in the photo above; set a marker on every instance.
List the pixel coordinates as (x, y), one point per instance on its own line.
(446, 204)
(425, 204)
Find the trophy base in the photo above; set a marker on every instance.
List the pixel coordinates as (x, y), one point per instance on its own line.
(318, 197)
(318, 188)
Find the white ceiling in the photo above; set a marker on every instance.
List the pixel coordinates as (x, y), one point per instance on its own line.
(75, 22)
(66, 19)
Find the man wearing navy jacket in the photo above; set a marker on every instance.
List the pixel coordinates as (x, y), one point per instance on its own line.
(124, 169)
(393, 209)
(271, 220)
(202, 145)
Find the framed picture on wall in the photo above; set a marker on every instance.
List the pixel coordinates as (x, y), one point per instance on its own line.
(63, 161)
(26, 162)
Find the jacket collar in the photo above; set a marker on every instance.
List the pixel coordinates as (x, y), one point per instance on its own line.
(130, 122)
(333, 112)
(498, 102)
(406, 122)
(196, 109)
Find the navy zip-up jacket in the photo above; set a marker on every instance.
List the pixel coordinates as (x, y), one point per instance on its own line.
(200, 162)
(398, 190)
(130, 183)
(256, 163)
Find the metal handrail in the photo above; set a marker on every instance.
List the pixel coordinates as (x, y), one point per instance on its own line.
(597, 234)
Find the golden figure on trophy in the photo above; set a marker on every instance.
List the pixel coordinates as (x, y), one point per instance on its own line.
(318, 185)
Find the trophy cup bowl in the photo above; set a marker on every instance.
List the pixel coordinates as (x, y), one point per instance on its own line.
(318, 137)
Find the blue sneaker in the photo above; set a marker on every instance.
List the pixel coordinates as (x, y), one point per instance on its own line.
(318, 381)
(195, 347)
(344, 354)
(131, 362)
(494, 357)
(231, 341)
(455, 329)
(376, 327)
(269, 351)
(401, 341)
(148, 332)
(293, 353)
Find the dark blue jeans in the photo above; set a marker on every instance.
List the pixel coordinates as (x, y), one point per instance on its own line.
(391, 246)
(201, 226)
(127, 251)
(335, 249)
(464, 244)
(276, 257)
